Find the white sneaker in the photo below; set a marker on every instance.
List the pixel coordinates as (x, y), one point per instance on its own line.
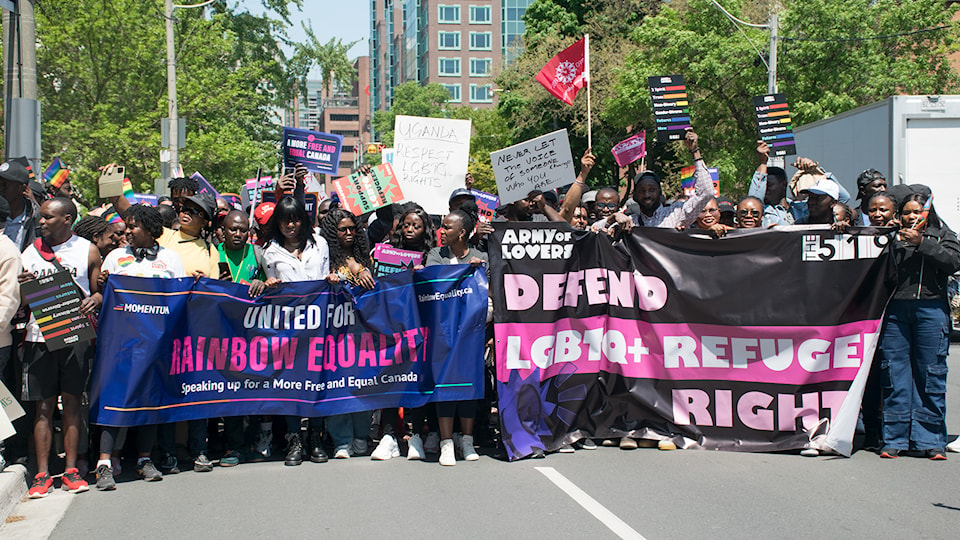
(809, 452)
(626, 443)
(432, 446)
(415, 448)
(954, 446)
(342, 453)
(567, 449)
(467, 449)
(387, 449)
(448, 456)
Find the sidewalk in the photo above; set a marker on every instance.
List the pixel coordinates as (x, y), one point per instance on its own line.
(13, 488)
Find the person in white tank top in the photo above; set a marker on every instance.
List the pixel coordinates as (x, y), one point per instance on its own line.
(49, 374)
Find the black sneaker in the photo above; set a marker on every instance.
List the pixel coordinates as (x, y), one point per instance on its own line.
(105, 481)
(294, 450)
(317, 455)
(169, 464)
(202, 464)
(148, 471)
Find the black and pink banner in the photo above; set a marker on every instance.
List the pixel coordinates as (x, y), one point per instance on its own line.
(753, 342)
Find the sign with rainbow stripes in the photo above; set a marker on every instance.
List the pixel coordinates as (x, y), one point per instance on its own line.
(686, 180)
(55, 302)
(775, 124)
(56, 174)
(671, 106)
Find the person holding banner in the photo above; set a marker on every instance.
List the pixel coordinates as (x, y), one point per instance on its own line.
(350, 262)
(64, 372)
(245, 263)
(141, 257)
(749, 213)
(415, 233)
(648, 193)
(456, 249)
(294, 253)
(916, 334)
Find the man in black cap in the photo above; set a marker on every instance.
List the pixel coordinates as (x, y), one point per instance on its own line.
(460, 196)
(649, 195)
(869, 182)
(23, 225)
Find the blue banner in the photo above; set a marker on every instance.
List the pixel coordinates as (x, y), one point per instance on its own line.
(179, 349)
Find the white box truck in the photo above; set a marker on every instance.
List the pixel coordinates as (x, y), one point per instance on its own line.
(910, 139)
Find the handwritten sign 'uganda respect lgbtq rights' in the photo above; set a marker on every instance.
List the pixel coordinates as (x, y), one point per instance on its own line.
(543, 163)
(430, 159)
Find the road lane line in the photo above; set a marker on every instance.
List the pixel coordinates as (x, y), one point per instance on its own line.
(597, 510)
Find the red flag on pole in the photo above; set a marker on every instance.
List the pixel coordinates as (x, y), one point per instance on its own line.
(566, 73)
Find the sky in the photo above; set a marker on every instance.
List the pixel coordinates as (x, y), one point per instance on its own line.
(348, 20)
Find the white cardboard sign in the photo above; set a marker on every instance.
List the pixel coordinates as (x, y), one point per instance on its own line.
(543, 163)
(430, 159)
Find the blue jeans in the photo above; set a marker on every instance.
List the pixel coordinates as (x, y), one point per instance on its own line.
(344, 428)
(915, 341)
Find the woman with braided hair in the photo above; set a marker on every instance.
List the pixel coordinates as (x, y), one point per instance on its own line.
(349, 261)
(106, 236)
(456, 249)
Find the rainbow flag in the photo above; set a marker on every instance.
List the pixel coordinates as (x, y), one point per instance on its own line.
(128, 191)
(924, 213)
(686, 180)
(112, 216)
(56, 174)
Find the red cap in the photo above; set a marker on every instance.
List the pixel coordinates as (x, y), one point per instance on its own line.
(264, 212)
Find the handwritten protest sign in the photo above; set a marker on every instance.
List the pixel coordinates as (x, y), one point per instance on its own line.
(430, 158)
(631, 149)
(543, 163)
(775, 124)
(387, 155)
(390, 260)
(55, 303)
(360, 193)
(487, 203)
(318, 152)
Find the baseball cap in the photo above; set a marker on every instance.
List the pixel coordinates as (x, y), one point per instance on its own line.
(647, 174)
(867, 177)
(588, 197)
(13, 171)
(726, 205)
(263, 212)
(825, 187)
(206, 202)
(461, 192)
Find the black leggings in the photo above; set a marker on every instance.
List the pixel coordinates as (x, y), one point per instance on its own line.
(146, 438)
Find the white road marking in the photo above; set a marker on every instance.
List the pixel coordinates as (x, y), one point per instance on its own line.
(597, 510)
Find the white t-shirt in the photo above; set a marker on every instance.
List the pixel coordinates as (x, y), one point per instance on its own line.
(74, 256)
(123, 262)
(312, 265)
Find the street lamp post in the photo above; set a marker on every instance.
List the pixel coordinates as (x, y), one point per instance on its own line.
(771, 60)
(173, 127)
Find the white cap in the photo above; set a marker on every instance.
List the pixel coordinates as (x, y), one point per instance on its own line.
(825, 187)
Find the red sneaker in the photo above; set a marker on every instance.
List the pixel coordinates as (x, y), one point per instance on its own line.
(73, 482)
(42, 484)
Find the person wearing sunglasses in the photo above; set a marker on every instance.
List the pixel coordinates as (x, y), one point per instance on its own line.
(749, 213)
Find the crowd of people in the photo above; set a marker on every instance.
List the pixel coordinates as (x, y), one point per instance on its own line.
(191, 234)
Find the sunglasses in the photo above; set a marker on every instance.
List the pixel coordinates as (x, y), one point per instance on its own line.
(189, 210)
(749, 213)
(348, 228)
(606, 205)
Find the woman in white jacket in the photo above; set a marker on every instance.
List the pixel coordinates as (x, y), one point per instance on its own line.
(294, 253)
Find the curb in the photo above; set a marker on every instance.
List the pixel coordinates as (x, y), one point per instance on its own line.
(13, 488)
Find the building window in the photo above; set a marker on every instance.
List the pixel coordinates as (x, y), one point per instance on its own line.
(479, 14)
(480, 67)
(481, 93)
(454, 90)
(449, 67)
(480, 41)
(345, 132)
(346, 165)
(448, 14)
(448, 41)
(344, 117)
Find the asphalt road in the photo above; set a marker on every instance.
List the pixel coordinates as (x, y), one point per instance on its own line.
(639, 493)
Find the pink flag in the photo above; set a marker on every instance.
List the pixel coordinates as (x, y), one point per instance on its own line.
(629, 150)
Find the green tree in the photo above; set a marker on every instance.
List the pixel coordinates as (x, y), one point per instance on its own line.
(833, 57)
(102, 84)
